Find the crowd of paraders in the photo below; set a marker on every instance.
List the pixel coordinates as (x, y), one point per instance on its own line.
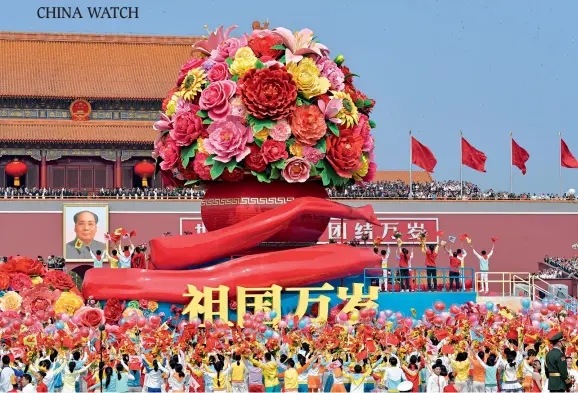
(378, 190)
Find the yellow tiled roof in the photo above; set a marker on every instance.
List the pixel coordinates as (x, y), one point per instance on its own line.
(417, 176)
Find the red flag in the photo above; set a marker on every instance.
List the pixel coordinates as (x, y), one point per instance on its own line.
(519, 156)
(422, 156)
(567, 159)
(472, 157)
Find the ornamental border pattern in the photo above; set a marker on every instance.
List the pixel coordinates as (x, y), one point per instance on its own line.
(245, 201)
(10, 113)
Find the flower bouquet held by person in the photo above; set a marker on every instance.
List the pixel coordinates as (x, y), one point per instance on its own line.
(272, 105)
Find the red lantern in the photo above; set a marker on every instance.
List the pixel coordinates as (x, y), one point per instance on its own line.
(144, 169)
(16, 169)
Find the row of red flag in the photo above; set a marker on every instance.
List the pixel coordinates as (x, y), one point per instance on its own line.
(423, 157)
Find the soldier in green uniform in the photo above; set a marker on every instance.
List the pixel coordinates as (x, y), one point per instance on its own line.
(558, 379)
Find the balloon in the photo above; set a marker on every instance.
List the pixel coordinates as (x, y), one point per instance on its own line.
(536, 305)
(59, 325)
(28, 321)
(372, 312)
(526, 303)
(276, 336)
(429, 313)
(290, 324)
(483, 308)
(439, 306)
(454, 309)
(268, 333)
(544, 311)
(141, 322)
(408, 322)
(535, 316)
(382, 314)
(342, 316)
(208, 324)
(129, 323)
(155, 320)
(273, 314)
(75, 320)
(535, 324)
(437, 320)
(350, 329)
(551, 307)
(525, 311)
(364, 313)
(259, 318)
(381, 321)
(64, 317)
(267, 316)
(51, 312)
(4, 322)
(489, 305)
(398, 316)
(84, 332)
(16, 325)
(388, 313)
(147, 329)
(302, 324)
(246, 317)
(473, 319)
(181, 326)
(263, 328)
(122, 322)
(354, 315)
(282, 324)
(41, 315)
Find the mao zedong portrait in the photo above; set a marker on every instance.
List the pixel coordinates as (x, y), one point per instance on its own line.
(85, 227)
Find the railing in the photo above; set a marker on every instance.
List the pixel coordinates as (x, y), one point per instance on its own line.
(569, 276)
(419, 278)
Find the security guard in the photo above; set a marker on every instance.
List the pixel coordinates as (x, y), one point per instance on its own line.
(558, 379)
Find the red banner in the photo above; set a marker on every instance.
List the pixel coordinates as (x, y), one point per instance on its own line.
(410, 229)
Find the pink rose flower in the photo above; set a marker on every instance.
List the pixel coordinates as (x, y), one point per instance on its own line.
(228, 138)
(238, 108)
(296, 170)
(311, 154)
(215, 99)
(170, 152)
(219, 72)
(193, 62)
(371, 170)
(281, 131)
(228, 48)
(368, 144)
(362, 127)
(187, 126)
(331, 71)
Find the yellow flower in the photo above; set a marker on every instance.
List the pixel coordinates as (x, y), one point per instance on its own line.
(172, 105)
(200, 145)
(263, 134)
(244, 61)
(11, 301)
(306, 76)
(361, 172)
(192, 84)
(37, 280)
(348, 113)
(153, 306)
(296, 149)
(68, 303)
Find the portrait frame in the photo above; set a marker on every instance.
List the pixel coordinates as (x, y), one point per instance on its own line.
(68, 211)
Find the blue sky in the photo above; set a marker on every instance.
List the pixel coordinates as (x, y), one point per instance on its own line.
(486, 67)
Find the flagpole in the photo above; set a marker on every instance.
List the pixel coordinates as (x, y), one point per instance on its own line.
(410, 167)
(511, 158)
(560, 162)
(461, 166)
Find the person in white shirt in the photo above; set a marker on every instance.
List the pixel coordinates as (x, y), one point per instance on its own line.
(572, 373)
(384, 258)
(27, 386)
(125, 255)
(6, 375)
(434, 384)
(484, 259)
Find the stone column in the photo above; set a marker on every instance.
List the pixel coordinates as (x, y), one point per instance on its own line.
(118, 171)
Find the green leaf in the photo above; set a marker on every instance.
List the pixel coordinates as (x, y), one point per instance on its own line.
(206, 84)
(190, 182)
(210, 160)
(274, 173)
(330, 177)
(367, 103)
(235, 78)
(261, 176)
(217, 169)
(282, 59)
(333, 128)
(359, 103)
(259, 64)
(203, 114)
(188, 152)
(258, 142)
(279, 47)
(280, 164)
(231, 165)
(304, 100)
(322, 145)
(313, 171)
(259, 124)
(207, 121)
(351, 75)
(299, 101)
(372, 124)
(229, 61)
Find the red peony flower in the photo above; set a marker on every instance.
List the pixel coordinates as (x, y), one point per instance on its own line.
(357, 95)
(204, 171)
(187, 127)
(188, 173)
(113, 310)
(273, 151)
(261, 46)
(20, 281)
(344, 152)
(193, 62)
(90, 316)
(254, 161)
(236, 175)
(38, 298)
(24, 265)
(268, 92)
(59, 280)
(308, 124)
(4, 281)
(144, 304)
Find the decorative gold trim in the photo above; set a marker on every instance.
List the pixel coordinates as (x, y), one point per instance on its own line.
(87, 205)
(245, 201)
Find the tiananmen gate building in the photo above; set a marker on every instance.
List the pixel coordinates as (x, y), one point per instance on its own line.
(78, 109)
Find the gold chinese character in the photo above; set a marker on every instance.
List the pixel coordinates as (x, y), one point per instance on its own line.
(266, 299)
(305, 300)
(355, 300)
(204, 302)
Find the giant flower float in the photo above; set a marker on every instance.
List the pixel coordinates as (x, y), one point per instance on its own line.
(272, 105)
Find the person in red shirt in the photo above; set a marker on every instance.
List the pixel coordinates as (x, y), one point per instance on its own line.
(451, 387)
(138, 259)
(404, 258)
(431, 255)
(41, 386)
(455, 265)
